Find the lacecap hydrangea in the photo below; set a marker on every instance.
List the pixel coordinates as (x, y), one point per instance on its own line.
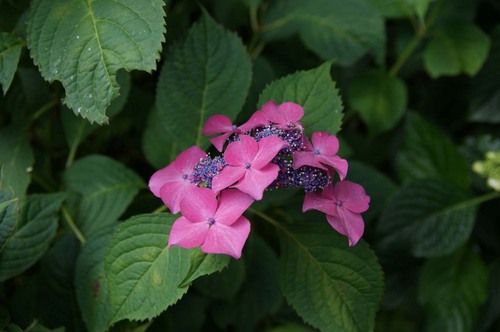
(269, 151)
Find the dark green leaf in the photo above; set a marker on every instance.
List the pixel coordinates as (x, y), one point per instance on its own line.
(8, 217)
(208, 73)
(143, 275)
(225, 284)
(330, 28)
(456, 48)
(331, 286)
(10, 52)
(426, 152)
(32, 239)
(315, 91)
(490, 310)
(204, 264)
(83, 44)
(107, 188)
(451, 290)
(429, 217)
(380, 99)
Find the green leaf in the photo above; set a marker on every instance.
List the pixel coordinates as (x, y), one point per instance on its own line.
(84, 43)
(426, 152)
(490, 310)
(393, 8)
(16, 160)
(91, 282)
(315, 91)
(380, 99)
(107, 188)
(451, 289)
(331, 286)
(10, 52)
(330, 28)
(8, 217)
(143, 274)
(204, 264)
(225, 284)
(32, 239)
(208, 73)
(456, 48)
(429, 217)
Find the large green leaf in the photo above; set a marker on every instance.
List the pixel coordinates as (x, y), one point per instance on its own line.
(91, 283)
(451, 289)
(107, 188)
(456, 48)
(143, 274)
(225, 284)
(427, 152)
(429, 217)
(208, 73)
(10, 52)
(330, 28)
(333, 287)
(380, 99)
(204, 264)
(8, 217)
(315, 91)
(32, 239)
(84, 43)
(16, 160)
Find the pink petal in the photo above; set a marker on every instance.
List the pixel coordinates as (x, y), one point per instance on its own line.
(256, 181)
(217, 124)
(339, 164)
(242, 151)
(172, 193)
(314, 201)
(268, 149)
(162, 176)
(199, 205)
(271, 112)
(187, 234)
(327, 144)
(187, 159)
(219, 141)
(229, 240)
(232, 204)
(353, 196)
(256, 120)
(329, 192)
(301, 158)
(292, 112)
(348, 224)
(228, 176)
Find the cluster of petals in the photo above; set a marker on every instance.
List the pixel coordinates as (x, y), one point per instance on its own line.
(268, 151)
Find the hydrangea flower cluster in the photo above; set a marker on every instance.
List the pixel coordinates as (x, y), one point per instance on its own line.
(269, 151)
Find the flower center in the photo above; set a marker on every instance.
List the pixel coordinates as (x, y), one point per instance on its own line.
(248, 165)
(316, 152)
(233, 127)
(338, 203)
(184, 176)
(210, 221)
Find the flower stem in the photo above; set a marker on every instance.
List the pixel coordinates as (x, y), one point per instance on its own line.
(44, 109)
(71, 223)
(161, 209)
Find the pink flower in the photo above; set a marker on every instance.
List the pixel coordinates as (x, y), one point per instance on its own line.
(285, 115)
(248, 165)
(173, 182)
(321, 153)
(342, 203)
(217, 226)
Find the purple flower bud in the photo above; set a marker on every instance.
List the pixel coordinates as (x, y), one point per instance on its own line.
(206, 169)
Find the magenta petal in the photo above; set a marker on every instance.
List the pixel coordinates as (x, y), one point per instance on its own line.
(268, 149)
(242, 151)
(162, 176)
(187, 159)
(339, 164)
(256, 181)
(257, 119)
(217, 124)
(219, 141)
(291, 111)
(228, 176)
(314, 201)
(187, 234)
(199, 205)
(229, 240)
(232, 204)
(348, 224)
(271, 112)
(172, 193)
(301, 158)
(353, 196)
(324, 142)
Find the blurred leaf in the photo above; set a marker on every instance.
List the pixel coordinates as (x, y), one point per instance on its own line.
(208, 73)
(84, 44)
(13, 328)
(204, 264)
(158, 147)
(10, 52)
(331, 286)
(451, 290)
(107, 188)
(4, 318)
(225, 284)
(251, 3)
(380, 99)
(429, 217)
(315, 91)
(420, 7)
(456, 48)
(143, 274)
(330, 28)
(91, 283)
(8, 217)
(40, 215)
(489, 312)
(16, 160)
(426, 152)
(290, 328)
(395, 8)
